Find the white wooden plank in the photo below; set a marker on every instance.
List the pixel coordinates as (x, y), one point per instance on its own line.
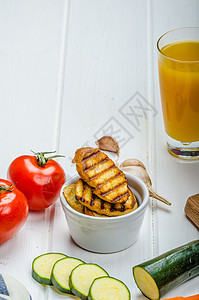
(31, 38)
(176, 179)
(106, 56)
(32, 41)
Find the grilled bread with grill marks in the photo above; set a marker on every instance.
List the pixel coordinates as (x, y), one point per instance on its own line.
(100, 172)
(89, 212)
(84, 193)
(69, 194)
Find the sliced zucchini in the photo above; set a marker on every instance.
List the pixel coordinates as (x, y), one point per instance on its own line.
(42, 267)
(108, 288)
(160, 275)
(82, 277)
(61, 272)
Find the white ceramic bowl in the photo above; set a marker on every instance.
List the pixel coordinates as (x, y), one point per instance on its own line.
(112, 234)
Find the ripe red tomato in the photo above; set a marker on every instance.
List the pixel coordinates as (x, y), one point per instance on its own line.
(13, 210)
(39, 178)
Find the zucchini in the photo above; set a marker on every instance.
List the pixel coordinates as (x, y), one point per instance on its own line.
(61, 271)
(82, 277)
(108, 288)
(42, 267)
(159, 275)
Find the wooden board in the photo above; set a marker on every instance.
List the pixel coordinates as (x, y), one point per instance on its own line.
(192, 209)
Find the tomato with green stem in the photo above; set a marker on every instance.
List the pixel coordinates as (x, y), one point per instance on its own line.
(13, 210)
(40, 178)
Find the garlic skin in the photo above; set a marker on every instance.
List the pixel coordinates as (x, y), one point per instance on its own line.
(108, 143)
(137, 168)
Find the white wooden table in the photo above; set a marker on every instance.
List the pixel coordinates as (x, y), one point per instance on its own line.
(71, 72)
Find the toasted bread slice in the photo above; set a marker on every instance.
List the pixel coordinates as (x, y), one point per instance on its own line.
(89, 212)
(95, 204)
(69, 194)
(100, 172)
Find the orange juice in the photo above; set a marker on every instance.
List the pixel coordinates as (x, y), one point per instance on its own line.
(179, 86)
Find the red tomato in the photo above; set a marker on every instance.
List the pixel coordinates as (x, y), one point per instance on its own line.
(13, 210)
(39, 178)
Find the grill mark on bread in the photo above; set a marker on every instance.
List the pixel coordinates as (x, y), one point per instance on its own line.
(102, 180)
(69, 194)
(112, 207)
(93, 160)
(86, 159)
(107, 181)
(122, 207)
(92, 213)
(80, 182)
(77, 198)
(102, 204)
(93, 154)
(92, 202)
(102, 173)
(114, 189)
(94, 166)
(120, 197)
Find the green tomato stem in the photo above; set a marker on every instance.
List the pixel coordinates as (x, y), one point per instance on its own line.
(42, 160)
(7, 188)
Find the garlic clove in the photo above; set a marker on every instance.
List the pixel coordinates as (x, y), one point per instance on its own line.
(137, 168)
(138, 172)
(132, 162)
(108, 143)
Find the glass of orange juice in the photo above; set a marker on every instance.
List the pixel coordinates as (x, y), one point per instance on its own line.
(178, 64)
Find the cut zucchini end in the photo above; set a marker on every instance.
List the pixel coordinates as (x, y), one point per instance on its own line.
(108, 288)
(146, 283)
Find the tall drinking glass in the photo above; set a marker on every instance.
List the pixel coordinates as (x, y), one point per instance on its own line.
(178, 64)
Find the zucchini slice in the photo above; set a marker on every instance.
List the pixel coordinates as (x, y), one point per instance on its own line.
(107, 288)
(82, 277)
(61, 272)
(42, 267)
(160, 275)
